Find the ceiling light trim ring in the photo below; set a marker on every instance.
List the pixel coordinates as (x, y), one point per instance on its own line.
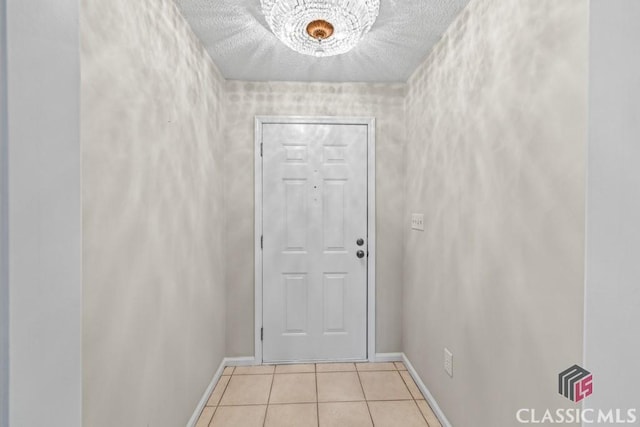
(320, 29)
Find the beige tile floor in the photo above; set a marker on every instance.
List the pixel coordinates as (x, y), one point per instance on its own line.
(317, 395)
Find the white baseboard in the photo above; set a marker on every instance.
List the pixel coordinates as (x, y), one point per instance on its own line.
(227, 361)
(203, 401)
(388, 357)
(426, 393)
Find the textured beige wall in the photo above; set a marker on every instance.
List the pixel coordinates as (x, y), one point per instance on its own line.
(153, 244)
(495, 159)
(246, 100)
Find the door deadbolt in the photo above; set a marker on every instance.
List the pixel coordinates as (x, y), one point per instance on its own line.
(360, 242)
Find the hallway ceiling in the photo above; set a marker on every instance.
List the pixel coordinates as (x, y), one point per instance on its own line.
(237, 37)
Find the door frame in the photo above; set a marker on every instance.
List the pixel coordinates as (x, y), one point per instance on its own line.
(370, 122)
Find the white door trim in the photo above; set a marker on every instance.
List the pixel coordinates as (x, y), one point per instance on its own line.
(370, 122)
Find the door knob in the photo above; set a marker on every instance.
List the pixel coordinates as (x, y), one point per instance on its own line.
(360, 242)
(360, 254)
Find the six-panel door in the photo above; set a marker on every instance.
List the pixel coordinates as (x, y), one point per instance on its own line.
(314, 212)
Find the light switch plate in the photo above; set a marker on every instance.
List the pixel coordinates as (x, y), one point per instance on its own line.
(417, 222)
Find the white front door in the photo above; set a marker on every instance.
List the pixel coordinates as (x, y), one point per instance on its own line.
(314, 220)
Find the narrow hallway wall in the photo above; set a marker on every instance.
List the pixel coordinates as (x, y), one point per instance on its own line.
(43, 292)
(612, 314)
(496, 122)
(4, 229)
(152, 151)
(248, 99)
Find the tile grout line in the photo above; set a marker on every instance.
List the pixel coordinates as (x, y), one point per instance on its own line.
(253, 404)
(215, 409)
(266, 411)
(315, 370)
(365, 396)
(407, 385)
(415, 401)
(419, 410)
(413, 398)
(223, 391)
(284, 403)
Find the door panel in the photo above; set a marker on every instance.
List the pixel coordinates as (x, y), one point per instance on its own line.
(334, 211)
(296, 217)
(314, 210)
(334, 303)
(295, 288)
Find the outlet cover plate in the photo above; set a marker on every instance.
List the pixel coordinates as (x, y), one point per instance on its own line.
(417, 222)
(448, 362)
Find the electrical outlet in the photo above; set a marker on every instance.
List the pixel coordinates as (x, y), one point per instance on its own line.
(448, 362)
(417, 221)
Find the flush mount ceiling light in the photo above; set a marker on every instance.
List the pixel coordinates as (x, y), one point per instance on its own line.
(320, 27)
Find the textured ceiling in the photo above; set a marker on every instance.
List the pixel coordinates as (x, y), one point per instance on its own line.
(241, 44)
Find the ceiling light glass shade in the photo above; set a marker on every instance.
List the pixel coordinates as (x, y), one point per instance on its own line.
(350, 20)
